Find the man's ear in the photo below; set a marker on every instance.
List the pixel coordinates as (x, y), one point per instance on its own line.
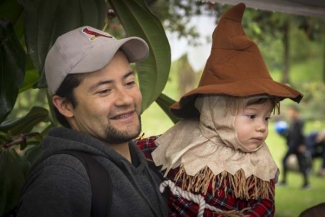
(64, 107)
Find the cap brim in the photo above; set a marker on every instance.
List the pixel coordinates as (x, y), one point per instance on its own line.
(136, 49)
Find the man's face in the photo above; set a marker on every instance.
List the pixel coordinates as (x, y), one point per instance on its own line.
(109, 103)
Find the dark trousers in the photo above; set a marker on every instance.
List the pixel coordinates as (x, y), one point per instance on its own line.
(302, 162)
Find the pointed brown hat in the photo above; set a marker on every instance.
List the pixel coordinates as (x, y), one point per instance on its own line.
(235, 67)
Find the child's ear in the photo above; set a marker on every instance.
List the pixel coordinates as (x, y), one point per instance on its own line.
(64, 107)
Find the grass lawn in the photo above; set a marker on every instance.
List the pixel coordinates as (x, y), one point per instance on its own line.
(290, 200)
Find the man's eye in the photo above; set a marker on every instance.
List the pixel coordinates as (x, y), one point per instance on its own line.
(130, 83)
(103, 91)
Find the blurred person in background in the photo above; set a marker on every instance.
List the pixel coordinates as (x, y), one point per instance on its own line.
(316, 145)
(296, 143)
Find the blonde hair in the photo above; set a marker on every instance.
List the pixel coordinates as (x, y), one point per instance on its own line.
(234, 103)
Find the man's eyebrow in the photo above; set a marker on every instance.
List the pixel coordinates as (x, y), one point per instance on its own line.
(93, 87)
(128, 74)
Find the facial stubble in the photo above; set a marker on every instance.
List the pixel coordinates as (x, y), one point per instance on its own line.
(115, 136)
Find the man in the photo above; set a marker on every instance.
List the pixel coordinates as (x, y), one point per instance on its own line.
(296, 145)
(97, 100)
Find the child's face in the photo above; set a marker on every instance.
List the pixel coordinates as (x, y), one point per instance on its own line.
(251, 124)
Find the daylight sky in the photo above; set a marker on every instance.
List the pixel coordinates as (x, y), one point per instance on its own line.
(197, 55)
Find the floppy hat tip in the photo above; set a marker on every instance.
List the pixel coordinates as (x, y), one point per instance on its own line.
(235, 13)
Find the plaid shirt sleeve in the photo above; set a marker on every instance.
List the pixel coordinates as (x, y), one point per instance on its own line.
(147, 145)
(261, 207)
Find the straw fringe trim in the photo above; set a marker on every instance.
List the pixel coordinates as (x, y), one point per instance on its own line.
(247, 188)
(199, 199)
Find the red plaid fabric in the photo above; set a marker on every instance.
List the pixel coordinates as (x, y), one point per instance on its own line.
(182, 207)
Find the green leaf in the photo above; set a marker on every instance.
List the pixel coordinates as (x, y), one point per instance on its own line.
(12, 70)
(10, 10)
(164, 103)
(31, 78)
(46, 20)
(12, 177)
(26, 123)
(138, 20)
(4, 137)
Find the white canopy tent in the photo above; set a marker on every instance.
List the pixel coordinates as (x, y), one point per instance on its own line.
(312, 8)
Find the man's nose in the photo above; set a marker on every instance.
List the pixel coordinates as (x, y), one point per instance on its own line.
(123, 97)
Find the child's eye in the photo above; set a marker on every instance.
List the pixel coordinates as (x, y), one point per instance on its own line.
(267, 118)
(251, 116)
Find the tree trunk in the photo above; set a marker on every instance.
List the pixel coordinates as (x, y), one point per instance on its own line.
(186, 76)
(285, 75)
(323, 59)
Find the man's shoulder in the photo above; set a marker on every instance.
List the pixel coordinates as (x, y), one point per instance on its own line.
(59, 162)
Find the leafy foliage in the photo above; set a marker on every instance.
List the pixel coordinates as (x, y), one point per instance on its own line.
(46, 20)
(12, 71)
(14, 167)
(13, 172)
(313, 101)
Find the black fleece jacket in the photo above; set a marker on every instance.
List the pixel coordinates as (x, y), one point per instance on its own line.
(60, 186)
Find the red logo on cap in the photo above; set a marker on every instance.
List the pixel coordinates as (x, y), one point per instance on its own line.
(95, 34)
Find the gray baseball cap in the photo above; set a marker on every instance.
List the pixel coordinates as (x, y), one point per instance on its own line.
(87, 49)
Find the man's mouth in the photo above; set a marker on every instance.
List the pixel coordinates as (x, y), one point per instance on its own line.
(125, 115)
